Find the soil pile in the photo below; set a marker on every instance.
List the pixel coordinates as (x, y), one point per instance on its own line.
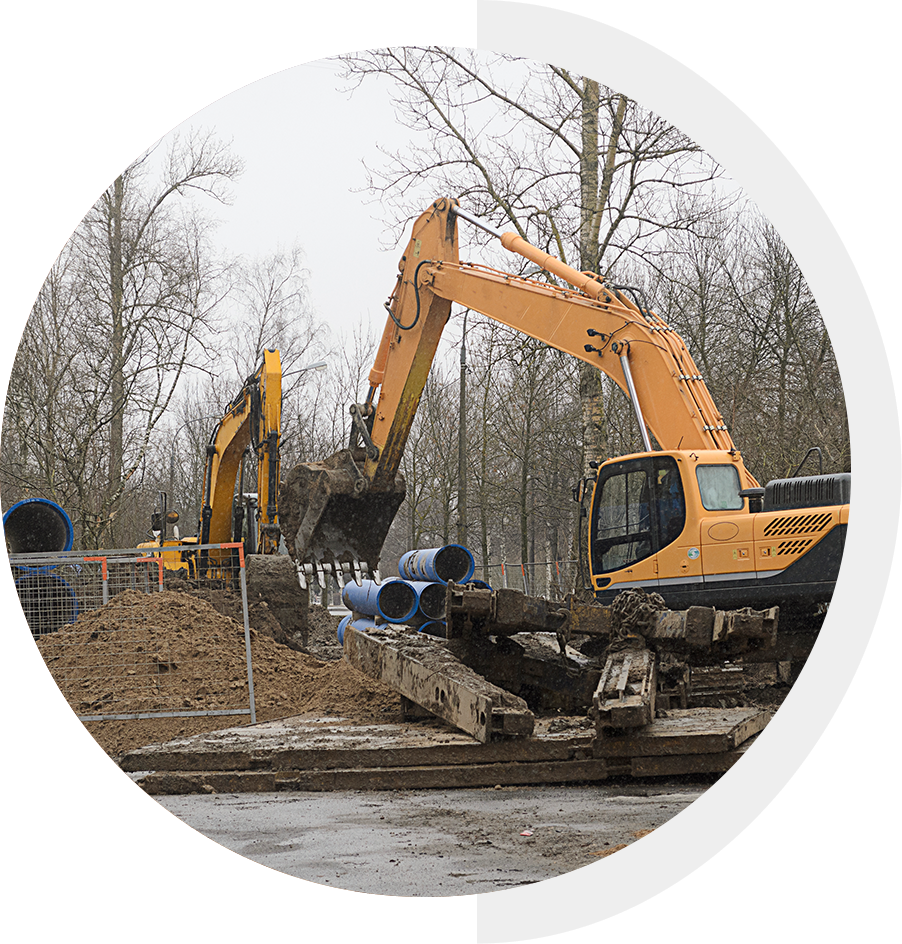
(272, 582)
(184, 655)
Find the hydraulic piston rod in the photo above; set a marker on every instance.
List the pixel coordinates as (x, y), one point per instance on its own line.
(623, 352)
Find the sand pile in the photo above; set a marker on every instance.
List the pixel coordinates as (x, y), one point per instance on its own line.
(184, 655)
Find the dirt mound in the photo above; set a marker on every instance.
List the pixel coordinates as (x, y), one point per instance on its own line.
(192, 657)
(322, 639)
(272, 581)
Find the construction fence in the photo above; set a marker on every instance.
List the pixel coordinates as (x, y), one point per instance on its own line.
(119, 647)
(552, 580)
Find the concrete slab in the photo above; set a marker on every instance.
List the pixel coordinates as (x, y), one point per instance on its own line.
(323, 754)
(305, 743)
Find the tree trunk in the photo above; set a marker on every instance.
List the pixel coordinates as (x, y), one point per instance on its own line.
(117, 349)
(462, 444)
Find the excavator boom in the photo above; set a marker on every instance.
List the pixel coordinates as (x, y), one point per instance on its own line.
(336, 514)
(252, 419)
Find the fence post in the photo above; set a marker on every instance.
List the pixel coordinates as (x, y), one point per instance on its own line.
(247, 634)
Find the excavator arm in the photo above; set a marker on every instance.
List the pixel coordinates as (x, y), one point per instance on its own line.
(252, 419)
(591, 321)
(340, 510)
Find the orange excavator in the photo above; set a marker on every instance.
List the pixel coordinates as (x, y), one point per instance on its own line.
(683, 518)
(252, 419)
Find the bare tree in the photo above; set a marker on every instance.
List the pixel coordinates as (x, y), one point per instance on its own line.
(578, 169)
(148, 288)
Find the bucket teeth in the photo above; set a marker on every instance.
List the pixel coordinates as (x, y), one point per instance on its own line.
(339, 574)
(305, 572)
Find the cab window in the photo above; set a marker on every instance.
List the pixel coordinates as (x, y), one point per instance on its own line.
(669, 501)
(622, 525)
(719, 487)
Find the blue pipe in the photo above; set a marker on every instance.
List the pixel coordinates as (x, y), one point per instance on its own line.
(394, 600)
(363, 624)
(435, 628)
(430, 599)
(36, 525)
(453, 562)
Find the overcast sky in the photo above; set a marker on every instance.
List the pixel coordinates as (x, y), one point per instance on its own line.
(302, 142)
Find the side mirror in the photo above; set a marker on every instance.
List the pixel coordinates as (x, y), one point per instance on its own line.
(755, 497)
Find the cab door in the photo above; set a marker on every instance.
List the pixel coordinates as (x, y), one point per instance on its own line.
(679, 554)
(623, 530)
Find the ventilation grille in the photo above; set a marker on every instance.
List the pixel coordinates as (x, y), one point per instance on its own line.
(788, 525)
(791, 548)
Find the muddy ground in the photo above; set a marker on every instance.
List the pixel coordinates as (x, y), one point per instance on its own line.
(435, 842)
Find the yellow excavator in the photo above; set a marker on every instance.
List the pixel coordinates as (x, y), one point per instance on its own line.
(250, 425)
(683, 518)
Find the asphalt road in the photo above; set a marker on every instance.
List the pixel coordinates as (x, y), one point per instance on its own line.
(430, 842)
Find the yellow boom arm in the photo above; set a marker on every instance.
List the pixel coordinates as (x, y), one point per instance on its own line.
(589, 320)
(252, 418)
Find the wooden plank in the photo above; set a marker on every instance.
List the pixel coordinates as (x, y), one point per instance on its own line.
(625, 697)
(433, 677)
(736, 677)
(689, 731)
(682, 630)
(683, 764)
(376, 755)
(407, 778)
(469, 710)
(305, 744)
(390, 778)
(533, 663)
(689, 763)
(744, 626)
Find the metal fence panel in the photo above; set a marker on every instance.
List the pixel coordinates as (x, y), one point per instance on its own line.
(133, 634)
(550, 579)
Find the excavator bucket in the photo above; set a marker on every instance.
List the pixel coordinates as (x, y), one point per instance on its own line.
(333, 521)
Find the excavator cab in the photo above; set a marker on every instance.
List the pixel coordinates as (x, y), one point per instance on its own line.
(680, 523)
(638, 508)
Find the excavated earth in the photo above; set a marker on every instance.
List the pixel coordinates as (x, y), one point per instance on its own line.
(197, 633)
(401, 842)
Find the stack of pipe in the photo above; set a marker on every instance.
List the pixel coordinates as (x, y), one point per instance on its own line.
(416, 597)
